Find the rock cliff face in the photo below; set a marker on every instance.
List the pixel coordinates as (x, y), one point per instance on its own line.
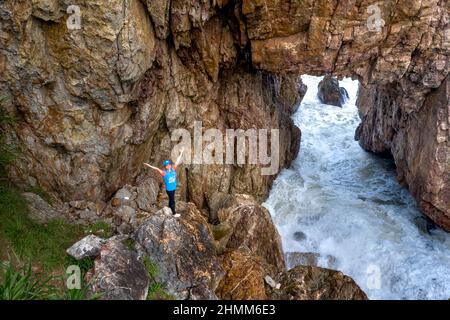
(402, 67)
(418, 139)
(92, 103)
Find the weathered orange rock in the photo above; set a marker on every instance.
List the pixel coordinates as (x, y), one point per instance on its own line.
(252, 227)
(93, 104)
(313, 283)
(244, 276)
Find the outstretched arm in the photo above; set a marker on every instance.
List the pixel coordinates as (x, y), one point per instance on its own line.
(179, 158)
(154, 168)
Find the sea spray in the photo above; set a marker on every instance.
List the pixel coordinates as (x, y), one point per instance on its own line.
(347, 204)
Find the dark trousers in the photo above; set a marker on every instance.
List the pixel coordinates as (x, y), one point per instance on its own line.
(171, 195)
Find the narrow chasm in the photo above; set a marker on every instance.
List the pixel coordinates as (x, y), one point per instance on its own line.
(341, 207)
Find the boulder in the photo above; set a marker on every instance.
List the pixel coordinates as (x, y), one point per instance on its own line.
(299, 236)
(330, 92)
(313, 283)
(183, 251)
(88, 247)
(252, 227)
(119, 274)
(147, 193)
(244, 276)
(125, 196)
(38, 209)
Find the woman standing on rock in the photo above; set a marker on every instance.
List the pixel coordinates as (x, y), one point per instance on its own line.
(169, 174)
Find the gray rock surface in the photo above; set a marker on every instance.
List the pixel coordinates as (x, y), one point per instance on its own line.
(88, 247)
(38, 209)
(119, 274)
(183, 251)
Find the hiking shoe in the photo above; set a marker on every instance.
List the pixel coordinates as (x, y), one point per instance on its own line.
(176, 215)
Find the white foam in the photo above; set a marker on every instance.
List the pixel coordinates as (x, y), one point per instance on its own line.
(350, 206)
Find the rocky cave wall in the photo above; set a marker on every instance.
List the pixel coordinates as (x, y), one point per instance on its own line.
(403, 74)
(93, 104)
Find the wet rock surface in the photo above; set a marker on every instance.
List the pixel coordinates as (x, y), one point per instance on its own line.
(417, 137)
(331, 93)
(313, 283)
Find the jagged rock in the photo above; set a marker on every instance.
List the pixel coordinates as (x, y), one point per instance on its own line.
(125, 229)
(312, 283)
(272, 283)
(291, 92)
(244, 276)
(399, 79)
(183, 251)
(48, 10)
(95, 103)
(252, 227)
(119, 274)
(159, 11)
(147, 193)
(125, 196)
(299, 236)
(79, 205)
(330, 92)
(126, 213)
(216, 201)
(416, 137)
(138, 86)
(222, 233)
(87, 217)
(38, 209)
(88, 247)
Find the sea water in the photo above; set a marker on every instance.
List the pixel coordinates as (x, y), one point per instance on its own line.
(339, 201)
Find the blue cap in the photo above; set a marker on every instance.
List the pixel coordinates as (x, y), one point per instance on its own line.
(166, 163)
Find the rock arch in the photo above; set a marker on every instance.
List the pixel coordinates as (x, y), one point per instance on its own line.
(93, 104)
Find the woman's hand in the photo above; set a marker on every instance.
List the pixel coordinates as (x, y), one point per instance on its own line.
(154, 168)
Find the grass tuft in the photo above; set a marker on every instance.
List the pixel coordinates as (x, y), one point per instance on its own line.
(32, 241)
(156, 290)
(23, 284)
